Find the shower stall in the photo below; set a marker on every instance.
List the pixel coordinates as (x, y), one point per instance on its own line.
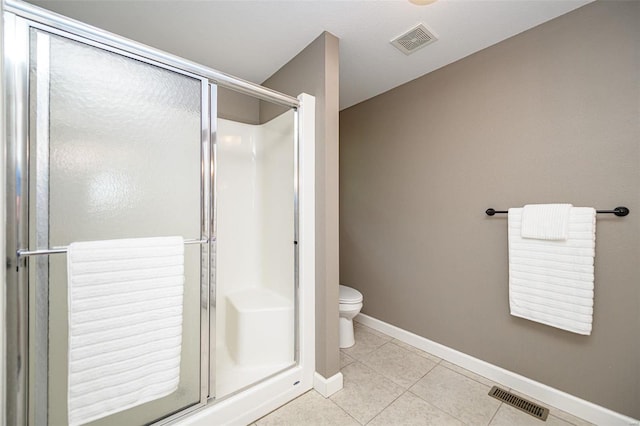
(108, 139)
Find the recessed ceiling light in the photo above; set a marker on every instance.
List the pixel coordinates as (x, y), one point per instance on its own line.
(422, 2)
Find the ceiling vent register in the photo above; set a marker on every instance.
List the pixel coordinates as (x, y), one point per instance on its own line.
(414, 39)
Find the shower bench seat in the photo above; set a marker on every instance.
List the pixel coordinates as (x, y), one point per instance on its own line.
(259, 327)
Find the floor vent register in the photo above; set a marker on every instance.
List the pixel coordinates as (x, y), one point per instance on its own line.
(521, 404)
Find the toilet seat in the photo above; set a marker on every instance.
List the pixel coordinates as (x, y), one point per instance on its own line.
(349, 295)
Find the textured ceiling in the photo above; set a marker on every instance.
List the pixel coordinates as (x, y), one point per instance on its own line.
(253, 39)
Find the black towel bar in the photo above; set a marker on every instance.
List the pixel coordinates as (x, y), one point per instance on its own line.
(618, 211)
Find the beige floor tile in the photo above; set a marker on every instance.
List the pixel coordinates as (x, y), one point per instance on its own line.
(357, 324)
(458, 395)
(365, 392)
(400, 365)
(416, 350)
(345, 359)
(376, 371)
(409, 410)
(366, 342)
(308, 409)
(509, 416)
(469, 374)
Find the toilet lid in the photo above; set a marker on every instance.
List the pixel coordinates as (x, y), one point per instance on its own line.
(349, 295)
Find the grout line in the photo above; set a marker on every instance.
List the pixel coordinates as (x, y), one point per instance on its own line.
(436, 363)
(388, 405)
(561, 402)
(364, 362)
(439, 363)
(431, 403)
(471, 378)
(427, 358)
(494, 414)
(386, 378)
(345, 411)
(349, 414)
(437, 407)
(424, 375)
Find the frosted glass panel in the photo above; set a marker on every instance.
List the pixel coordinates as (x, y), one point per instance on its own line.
(125, 146)
(123, 152)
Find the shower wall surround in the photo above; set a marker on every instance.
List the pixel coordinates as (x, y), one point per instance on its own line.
(255, 276)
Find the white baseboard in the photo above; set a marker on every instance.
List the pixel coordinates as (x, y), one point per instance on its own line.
(327, 387)
(546, 394)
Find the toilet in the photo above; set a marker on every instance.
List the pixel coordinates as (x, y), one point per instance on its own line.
(350, 305)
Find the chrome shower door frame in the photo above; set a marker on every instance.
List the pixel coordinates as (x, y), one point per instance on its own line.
(16, 133)
(17, 35)
(19, 18)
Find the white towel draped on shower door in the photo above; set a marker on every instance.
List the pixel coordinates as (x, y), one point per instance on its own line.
(551, 281)
(125, 324)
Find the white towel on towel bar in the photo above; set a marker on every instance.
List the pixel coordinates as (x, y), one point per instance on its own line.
(125, 324)
(546, 221)
(551, 281)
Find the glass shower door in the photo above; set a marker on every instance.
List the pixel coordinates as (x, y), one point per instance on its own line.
(116, 148)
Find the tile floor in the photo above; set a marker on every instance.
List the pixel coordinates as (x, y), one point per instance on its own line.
(387, 382)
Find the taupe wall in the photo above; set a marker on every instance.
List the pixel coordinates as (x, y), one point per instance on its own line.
(551, 115)
(315, 71)
(236, 106)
